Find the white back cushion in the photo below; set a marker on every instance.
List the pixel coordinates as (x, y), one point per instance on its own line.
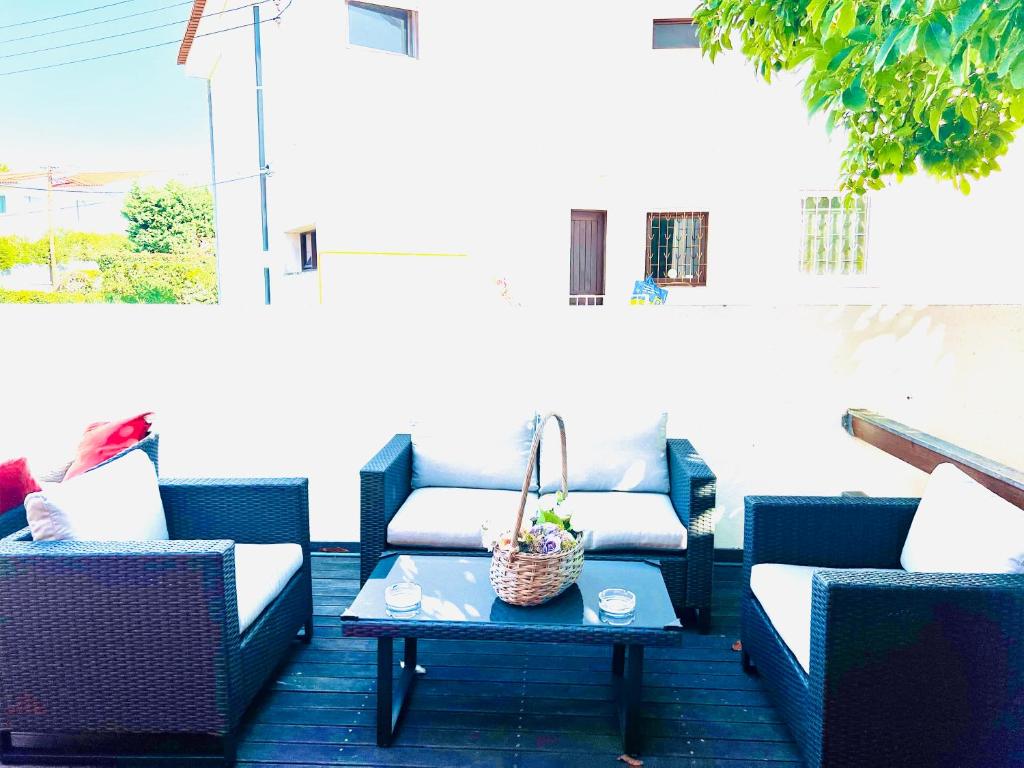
(119, 501)
(473, 450)
(962, 527)
(607, 451)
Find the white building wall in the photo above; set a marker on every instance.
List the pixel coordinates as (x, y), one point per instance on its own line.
(510, 118)
(315, 392)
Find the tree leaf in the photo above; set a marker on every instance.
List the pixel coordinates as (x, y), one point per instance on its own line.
(969, 109)
(861, 34)
(934, 118)
(838, 59)
(855, 98)
(815, 9)
(895, 6)
(905, 39)
(935, 40)
(1017, 73)
(847, 17)
(969, 12)
(883, 52)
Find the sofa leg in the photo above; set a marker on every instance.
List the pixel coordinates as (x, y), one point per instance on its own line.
(307, 631)
(229, 750)
(747, 664)
(704, 619)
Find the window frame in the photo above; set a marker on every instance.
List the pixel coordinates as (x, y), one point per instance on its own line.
(308, 235)
(666, 22)
(700, 279)
(412, 44)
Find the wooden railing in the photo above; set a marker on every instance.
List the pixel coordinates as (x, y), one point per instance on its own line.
(926, 451)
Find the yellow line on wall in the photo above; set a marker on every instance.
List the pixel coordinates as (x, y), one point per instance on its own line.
(418, 254)
(396, 253)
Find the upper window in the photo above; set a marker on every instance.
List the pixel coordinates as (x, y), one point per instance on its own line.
(381, 27)
(675, 33)
(307, 250)
(835, 235)
(677, 248)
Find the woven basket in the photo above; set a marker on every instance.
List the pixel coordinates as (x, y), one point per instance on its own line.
(525, 578)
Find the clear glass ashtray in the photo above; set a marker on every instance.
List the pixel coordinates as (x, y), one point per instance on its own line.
(617, 605)
(403, 599)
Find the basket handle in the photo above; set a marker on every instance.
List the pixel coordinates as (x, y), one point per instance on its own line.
(534, 449)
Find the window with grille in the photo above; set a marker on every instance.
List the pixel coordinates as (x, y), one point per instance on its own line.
(835, 235)
(677, 248)
(307, 250)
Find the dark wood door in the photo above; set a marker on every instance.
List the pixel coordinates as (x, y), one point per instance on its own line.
(586, 258)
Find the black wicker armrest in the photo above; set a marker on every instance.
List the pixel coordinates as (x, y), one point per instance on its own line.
(692, 489)
(826, 531)
(927, 665)
(100, 635)
(384, 485)
(245, 510)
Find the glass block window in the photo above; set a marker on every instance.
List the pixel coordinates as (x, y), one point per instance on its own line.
(835, 235)
(382, 27)
(677, 248)
(675, 33)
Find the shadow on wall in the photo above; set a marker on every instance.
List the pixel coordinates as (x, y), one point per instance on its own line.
(760, 391)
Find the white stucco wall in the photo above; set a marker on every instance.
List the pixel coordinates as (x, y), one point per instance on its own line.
(760, 391)
(508, 120)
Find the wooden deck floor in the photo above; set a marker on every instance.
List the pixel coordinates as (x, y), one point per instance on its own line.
(512, 705)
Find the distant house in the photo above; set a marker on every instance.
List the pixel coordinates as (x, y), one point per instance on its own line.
(556, 153)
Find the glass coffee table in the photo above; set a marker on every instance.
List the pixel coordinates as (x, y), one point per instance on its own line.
(458, 603)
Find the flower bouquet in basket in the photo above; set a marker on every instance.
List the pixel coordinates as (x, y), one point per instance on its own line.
(533, 563)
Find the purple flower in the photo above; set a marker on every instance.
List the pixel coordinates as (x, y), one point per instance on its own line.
(550, 544)
(550, 528)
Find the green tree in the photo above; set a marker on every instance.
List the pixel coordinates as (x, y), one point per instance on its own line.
(933, 84)
(169, 219)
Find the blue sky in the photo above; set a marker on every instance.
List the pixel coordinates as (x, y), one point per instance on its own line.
(137, 111)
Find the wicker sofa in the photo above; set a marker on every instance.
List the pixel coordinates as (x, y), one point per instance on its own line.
(903, 668)
(386, 483)
(134, 639)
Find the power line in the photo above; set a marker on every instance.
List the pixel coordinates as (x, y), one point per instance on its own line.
(114, 202)
(154, 45)
(125, 34)
(95, 23)
(174, 23)
(65, 15)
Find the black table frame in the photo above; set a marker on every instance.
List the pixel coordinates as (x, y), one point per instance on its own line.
(393, 694)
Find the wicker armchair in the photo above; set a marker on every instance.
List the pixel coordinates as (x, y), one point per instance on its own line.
(123, 639)
(14, 520)
(907, 669)
(386, 482)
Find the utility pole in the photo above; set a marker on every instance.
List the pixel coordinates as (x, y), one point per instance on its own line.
(49, 226)
(261, 139)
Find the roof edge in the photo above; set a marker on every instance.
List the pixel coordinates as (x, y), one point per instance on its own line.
(198, 6)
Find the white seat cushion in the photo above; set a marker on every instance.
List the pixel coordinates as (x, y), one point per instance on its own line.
(962, 527)
(119, 501)
(784, 592)
(616, 520)
(607, 452)
(261, 572)
(473, 450)
(453, 517)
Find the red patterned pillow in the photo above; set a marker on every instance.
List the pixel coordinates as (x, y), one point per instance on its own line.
(106, 439)
(16, 482)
